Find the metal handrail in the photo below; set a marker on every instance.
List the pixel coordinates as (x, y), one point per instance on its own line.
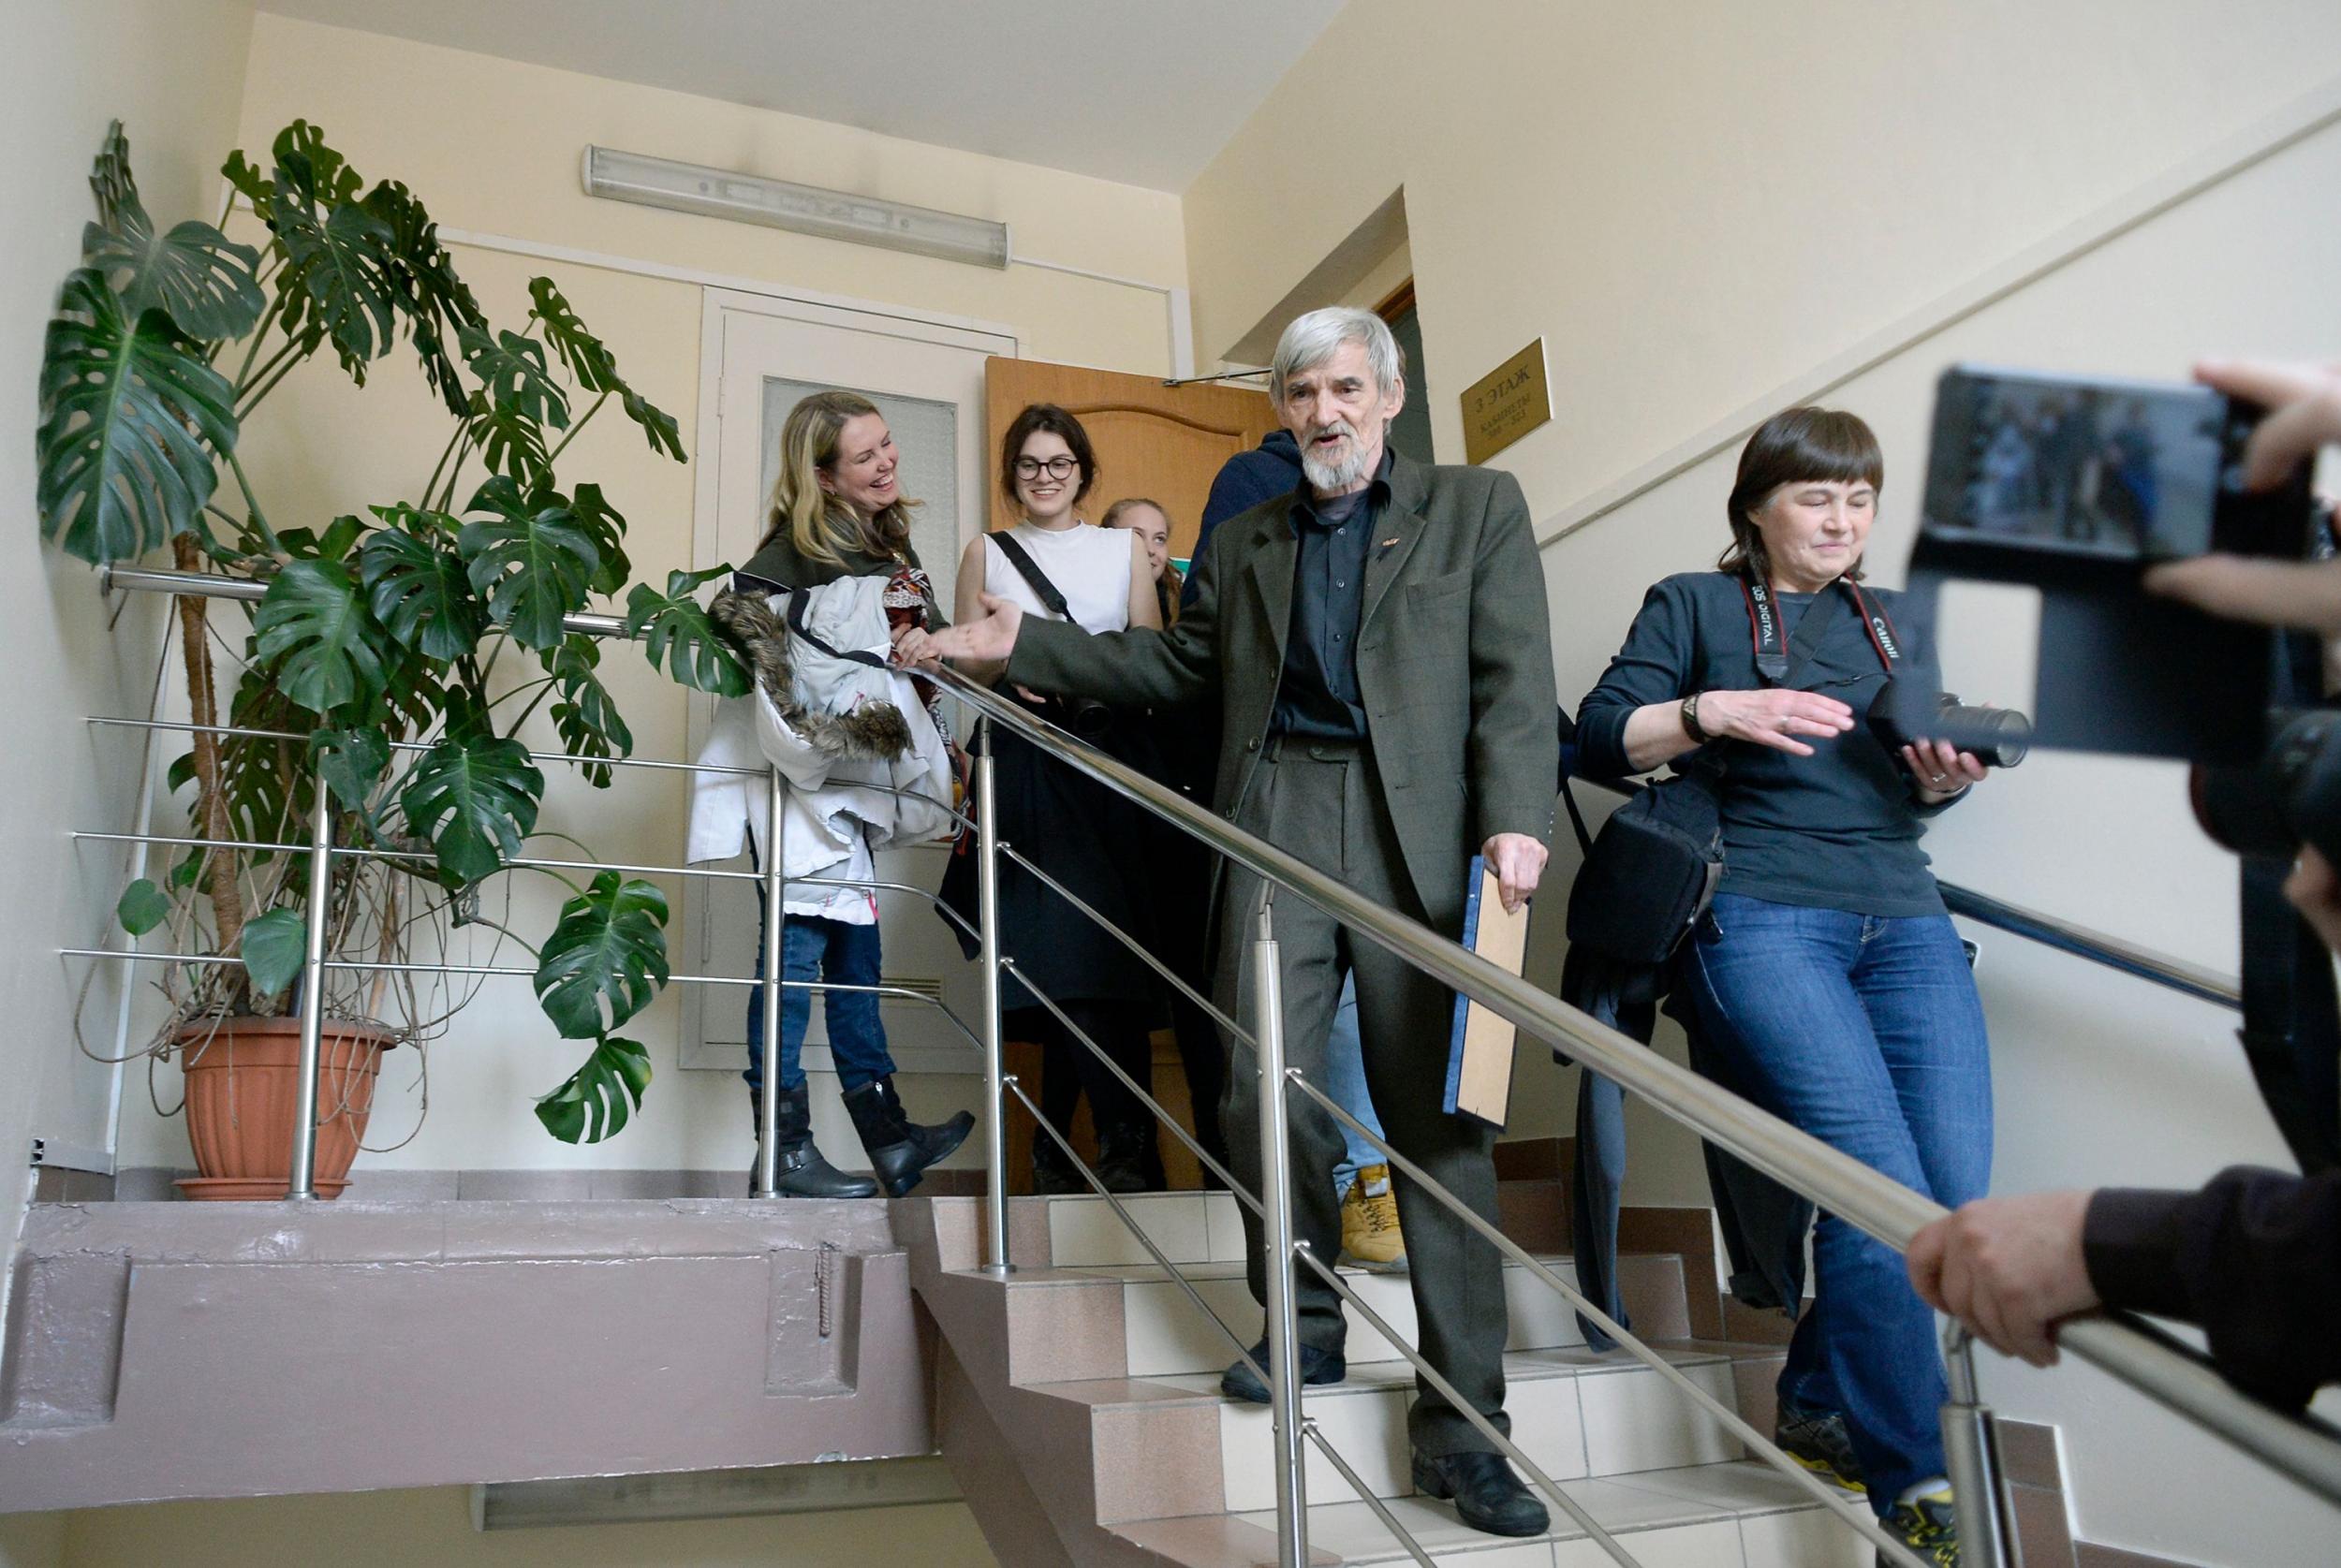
(2303, 1447)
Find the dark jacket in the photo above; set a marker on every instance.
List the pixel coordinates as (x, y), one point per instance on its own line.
(2254, 1258)
(1244, 481)
(1455, 663)
(778, 562)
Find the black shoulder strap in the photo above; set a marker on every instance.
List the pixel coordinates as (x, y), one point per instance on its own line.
(1029, 570)
(795, 624)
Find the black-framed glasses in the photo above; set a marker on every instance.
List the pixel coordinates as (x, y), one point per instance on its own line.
(1058, 467)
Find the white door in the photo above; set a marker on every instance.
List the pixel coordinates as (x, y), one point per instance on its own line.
(758, 356)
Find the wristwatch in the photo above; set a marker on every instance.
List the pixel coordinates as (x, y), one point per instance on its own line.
(1691, 720)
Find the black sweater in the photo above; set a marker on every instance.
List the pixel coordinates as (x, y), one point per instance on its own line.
(1839, 829)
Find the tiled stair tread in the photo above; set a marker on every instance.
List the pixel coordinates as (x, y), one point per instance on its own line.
(1519, 1366)
(1232, 1268)
(1623, 1505)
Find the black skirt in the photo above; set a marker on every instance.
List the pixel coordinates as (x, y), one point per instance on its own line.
(1094, 842)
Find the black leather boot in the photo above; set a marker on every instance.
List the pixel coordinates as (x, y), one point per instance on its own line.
(1488, 1496)
(800, 1171)
(1127, 1161)
(901, 1150)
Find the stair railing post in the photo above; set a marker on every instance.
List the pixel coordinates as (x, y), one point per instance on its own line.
(1284, 1333)
(303, 1185)
(1987, 1526)
(994, 1068)
(767, 1183)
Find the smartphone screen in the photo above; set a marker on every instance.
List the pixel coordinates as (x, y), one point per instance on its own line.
(2118, 470)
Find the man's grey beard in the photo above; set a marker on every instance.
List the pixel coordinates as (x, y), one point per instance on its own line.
(1340, 476)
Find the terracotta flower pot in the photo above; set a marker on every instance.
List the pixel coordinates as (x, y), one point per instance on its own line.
(240, 1085)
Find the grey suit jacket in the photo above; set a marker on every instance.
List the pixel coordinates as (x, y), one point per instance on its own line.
(1454, 663)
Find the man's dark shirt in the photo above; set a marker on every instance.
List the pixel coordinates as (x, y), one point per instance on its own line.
(1319, 698)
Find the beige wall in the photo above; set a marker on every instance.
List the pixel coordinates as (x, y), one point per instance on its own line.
(494, 147)
(173, 70)
(399, 1529)
(1703, 206)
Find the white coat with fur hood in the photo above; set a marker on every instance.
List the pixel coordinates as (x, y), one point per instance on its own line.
(866, 768)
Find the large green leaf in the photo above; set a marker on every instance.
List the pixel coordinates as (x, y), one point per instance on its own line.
(530, 559)
(474, 797)
(436, 303)
(610, 947)
(422, 589)
(315, 619)
(336, 275)
(350, 761)
(597, 369)
(676, 631)
(142, 907)
(513, 371)
(594, 1102)
(274, 944)
(131, 418)
(586, 716)
(509, 442)
(206, 283)
(607, 529)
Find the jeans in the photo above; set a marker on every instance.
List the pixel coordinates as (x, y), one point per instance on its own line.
(812, 949)
(1345, 1080)
(1865, 1032)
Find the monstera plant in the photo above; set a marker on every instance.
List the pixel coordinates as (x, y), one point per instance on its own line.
(396, 654)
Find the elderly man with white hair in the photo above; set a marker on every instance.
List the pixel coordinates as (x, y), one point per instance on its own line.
(1379, 644)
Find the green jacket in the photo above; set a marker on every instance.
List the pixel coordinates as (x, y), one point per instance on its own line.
(1454, 663)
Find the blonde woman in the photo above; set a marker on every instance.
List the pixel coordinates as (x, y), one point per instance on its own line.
(838, 511)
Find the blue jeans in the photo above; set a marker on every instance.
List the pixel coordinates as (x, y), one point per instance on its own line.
(1345, 1080)
(1865, 1032)
(812, 949)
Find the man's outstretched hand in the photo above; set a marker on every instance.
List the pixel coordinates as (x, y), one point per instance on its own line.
(989, 641)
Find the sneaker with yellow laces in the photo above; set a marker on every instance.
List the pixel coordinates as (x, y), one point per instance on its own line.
(1928, 1526)
(1369, 1223)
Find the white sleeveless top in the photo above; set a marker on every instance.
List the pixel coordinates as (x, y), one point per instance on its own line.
(1090, 567)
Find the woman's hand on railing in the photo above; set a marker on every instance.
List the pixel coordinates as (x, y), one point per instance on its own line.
(2009, 1268)
(989, 641)
(1774, 717)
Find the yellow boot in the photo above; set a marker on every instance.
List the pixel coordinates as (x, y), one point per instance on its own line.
(1369, 1223)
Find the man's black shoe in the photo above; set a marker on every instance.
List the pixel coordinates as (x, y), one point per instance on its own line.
(1318, 1369)
(1488, 1496)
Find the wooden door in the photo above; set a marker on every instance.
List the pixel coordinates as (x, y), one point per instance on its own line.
(1164, 443)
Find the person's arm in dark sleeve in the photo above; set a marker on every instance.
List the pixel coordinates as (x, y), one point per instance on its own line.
(1512, 696)
(1654, 665)
(2254, 1258)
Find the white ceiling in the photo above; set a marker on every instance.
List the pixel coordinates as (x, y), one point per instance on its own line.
(1145, 92)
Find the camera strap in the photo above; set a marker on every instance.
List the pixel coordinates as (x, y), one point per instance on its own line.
(1029, 570)
(1780, 666)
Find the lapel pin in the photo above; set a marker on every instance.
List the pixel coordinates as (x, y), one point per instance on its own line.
(1391, 540)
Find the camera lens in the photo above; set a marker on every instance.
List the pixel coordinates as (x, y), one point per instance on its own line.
(1999, 737)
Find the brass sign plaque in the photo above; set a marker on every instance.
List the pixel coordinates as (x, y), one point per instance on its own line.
(1506, 404)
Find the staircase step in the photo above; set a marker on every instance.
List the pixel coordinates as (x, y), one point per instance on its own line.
(1734, 1515)
(1189, 1227)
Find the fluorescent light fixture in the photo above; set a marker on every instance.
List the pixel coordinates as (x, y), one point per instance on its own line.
(864, 220)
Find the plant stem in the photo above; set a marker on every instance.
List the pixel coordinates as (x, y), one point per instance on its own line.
(252, 503)
(244, 411)
(259, 335)
(544, 691)
(446, 452)
(523, 686)
(219, 866)
(553, 456)
(446, 498)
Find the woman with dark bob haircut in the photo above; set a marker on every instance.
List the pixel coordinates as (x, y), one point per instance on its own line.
(1826, 976)
(1079, 833)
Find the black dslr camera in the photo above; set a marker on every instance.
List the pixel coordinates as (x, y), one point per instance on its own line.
(1907, 711)
(2072, 488)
